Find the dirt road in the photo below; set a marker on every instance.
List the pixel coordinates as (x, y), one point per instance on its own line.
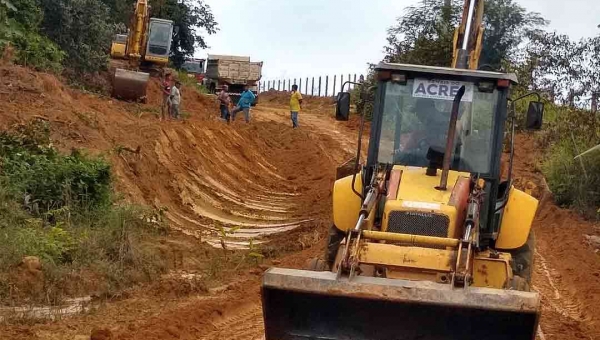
(261, 181)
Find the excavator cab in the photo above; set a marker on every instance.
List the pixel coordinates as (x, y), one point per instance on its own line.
(158, 47)
(428, 241)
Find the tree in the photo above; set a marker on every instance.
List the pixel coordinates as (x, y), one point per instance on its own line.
(19, 25)
(189, 18)
(424, 34)
(558, 65)
(507, 25)
(82, 28)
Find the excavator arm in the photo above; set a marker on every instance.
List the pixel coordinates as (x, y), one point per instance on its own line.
(468, 37)
(138, 29)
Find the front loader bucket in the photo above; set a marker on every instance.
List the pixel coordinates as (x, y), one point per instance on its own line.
(299, 304)
(130, 85)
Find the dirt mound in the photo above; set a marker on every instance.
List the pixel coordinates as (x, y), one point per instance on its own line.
(567, 270)
(209, 177)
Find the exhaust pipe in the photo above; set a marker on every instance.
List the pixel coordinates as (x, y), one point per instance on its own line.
(450, 140)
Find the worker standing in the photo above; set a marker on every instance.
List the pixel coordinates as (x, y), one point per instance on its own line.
(246, 100)
(166, 103)
(295, 105)
(175, 100)
(224, 103)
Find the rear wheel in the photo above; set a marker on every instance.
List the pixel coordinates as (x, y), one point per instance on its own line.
(334, 239)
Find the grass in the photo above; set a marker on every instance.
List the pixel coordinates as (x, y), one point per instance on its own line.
(568, 132)
(191, 81)
(61, 210)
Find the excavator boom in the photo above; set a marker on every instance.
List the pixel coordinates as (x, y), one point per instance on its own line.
(468, 37)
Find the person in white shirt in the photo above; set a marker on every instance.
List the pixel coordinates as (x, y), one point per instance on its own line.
(175, 100)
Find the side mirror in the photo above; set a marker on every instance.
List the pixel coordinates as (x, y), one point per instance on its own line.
(535, 115)
(342, 108)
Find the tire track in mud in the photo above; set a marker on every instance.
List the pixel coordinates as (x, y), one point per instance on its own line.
(234, 190)
(245, 323)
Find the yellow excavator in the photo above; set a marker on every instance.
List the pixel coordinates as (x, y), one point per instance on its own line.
(429, 241)
(144, 49)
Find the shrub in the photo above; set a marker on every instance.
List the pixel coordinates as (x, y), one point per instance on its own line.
(574, 182)
(38, 52)
(47, 179)
(59, 208)
(19, 21)
(82, 28)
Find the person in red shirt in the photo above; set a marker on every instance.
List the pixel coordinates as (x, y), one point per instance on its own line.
(166, 103)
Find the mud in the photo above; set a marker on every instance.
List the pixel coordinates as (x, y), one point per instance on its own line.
(262, 181)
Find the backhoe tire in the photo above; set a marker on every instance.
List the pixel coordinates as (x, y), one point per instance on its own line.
(523, 259)
(317, 265)
(334, 239)
(520, 284)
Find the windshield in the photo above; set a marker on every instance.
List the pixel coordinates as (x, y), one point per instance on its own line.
(416, 118)
(192, 66)
(160, 34)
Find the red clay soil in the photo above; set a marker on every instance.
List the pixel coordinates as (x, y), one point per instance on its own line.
(204, 170)
(200, 169)
(567, 269)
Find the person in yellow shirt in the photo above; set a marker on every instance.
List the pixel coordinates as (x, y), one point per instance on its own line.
(295, 105)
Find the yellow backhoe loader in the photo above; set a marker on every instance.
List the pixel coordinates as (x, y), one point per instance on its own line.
(145, 48)
(429, 241)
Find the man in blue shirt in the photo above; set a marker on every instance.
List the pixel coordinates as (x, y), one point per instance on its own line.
(244, 104)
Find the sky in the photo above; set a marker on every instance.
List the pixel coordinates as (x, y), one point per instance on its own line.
(324, 37)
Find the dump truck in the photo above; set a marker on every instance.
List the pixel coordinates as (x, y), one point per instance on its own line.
(233, 71)
(428, 240)
(143, 50)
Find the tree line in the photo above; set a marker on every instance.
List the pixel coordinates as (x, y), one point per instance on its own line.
(74, 36)
(514, 40)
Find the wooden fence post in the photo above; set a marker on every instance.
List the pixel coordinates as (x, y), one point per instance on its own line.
(300, 86)
(312, 90)
(279, 85)
(319, 86)
(306, 87)
(355, 78)
(334, 83)
(595, 102)
(326, 85)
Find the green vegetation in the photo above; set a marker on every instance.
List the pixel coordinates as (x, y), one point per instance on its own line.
(60, 209)
(74, 36)
(191, 81)
(575, 182)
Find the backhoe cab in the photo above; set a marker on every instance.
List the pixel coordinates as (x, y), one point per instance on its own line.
(428, 242)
